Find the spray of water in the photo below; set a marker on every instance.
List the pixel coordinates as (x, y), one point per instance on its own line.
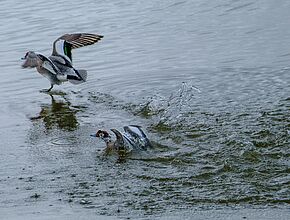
(173, 108)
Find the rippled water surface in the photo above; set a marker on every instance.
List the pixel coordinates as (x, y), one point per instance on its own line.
(209, 81)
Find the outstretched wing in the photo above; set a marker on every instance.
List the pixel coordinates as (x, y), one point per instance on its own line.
(136, 136)
(63, 45)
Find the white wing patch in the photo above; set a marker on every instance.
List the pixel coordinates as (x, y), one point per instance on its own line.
(47, 65)
(58, 59)
(137, 131)
(59, 47)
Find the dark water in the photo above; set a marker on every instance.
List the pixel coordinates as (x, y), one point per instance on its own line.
(207, 80)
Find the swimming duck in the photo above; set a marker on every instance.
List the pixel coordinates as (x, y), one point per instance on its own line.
(132, 139)
(58, 67)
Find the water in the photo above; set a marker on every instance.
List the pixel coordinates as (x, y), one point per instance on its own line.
(207, 80)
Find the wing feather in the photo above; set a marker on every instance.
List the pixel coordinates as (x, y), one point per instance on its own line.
(48, 64)
(64, 44)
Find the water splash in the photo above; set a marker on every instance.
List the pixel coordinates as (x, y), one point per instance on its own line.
(171, 109)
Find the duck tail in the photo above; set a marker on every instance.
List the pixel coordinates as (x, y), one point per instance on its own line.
(82, 77)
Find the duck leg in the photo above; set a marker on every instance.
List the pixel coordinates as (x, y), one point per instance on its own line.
(47, 90)
(50, 88)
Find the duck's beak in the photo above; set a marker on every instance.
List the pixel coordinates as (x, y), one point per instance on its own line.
(23, 58)
(93, 135)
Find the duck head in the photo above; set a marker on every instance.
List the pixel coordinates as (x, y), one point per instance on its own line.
(31, 60)
(104, 135)
(117, 145)
(101, 134)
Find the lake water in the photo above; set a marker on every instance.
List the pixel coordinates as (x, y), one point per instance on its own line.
(209, 81)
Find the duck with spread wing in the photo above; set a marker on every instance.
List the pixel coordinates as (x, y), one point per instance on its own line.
(133, 139)
(58, 67)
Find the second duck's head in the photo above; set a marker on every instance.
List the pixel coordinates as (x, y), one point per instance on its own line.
(101, 134)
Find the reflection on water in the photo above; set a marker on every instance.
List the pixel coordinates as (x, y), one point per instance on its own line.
(58, 114)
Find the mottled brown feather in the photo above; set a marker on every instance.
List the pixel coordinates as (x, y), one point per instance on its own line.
(81, 39)
(76, 41)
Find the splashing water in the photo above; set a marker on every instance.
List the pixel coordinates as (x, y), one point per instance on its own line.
(179, 103)
(173, 108)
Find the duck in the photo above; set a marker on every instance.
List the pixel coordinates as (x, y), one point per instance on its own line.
(58, 67)
(132, 139)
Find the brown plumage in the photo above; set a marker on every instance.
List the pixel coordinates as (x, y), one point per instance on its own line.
(80, 39)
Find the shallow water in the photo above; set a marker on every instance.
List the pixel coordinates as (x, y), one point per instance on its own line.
(208, 82)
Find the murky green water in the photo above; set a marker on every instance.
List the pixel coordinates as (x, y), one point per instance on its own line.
(208, 82)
